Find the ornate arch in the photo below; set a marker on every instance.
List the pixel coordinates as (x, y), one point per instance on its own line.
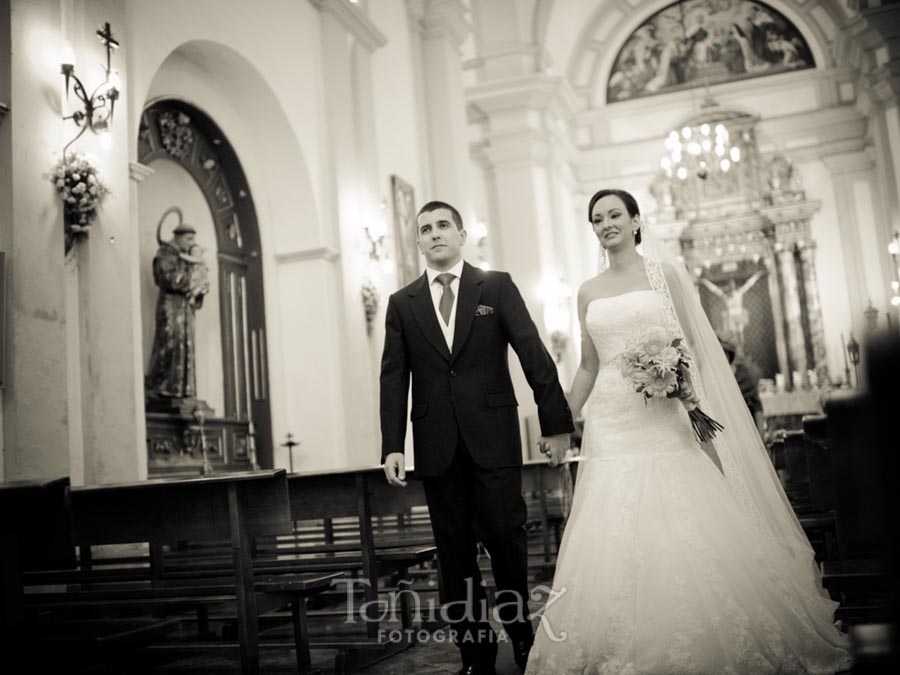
(177, 131)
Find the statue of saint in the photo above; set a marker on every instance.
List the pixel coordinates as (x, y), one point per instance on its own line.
(182, 276)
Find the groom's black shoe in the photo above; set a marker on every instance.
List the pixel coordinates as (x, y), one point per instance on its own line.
(476, 669)
(521, 648)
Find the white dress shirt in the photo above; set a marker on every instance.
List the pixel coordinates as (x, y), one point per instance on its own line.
(437, 290)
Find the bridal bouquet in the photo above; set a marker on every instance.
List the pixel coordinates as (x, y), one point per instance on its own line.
(658, 366)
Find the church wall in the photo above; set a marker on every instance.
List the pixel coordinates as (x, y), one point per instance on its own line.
(293, 237)
(5, 199)
(313, 258)
(830, 265)
(35, 414)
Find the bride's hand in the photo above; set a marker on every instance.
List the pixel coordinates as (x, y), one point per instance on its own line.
(555, 447)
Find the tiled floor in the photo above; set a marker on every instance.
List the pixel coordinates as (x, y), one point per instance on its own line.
(427, 656)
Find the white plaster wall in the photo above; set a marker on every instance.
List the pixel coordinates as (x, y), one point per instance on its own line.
(5, 198)
(830, 266)
(35, 424)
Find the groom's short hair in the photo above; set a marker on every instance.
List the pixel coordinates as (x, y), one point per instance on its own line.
(434, 206)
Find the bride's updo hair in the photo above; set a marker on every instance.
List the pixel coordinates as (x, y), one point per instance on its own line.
(630, 202)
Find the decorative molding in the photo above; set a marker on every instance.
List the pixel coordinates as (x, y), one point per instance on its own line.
(307, 254)
(355, 21)
(438, 19)
(532, 92)
(138, 171)
(848, 162)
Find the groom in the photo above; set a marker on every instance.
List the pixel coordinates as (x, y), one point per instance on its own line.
(450, 331)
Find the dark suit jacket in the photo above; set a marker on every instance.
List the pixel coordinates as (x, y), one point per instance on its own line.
(470, 391)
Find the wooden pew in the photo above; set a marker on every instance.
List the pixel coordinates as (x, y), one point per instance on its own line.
(548, 484)
(37, 533)
(819, 464)
(797, 472)
(363, 494)
(237, 507)
(350, 502)
(859, 576)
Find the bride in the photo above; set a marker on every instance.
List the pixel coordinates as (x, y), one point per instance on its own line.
(669, 565)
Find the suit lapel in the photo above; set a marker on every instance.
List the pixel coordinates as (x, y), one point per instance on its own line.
(423, 311)
(469, 295)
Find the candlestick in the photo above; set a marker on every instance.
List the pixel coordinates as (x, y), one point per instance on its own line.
(846, 364)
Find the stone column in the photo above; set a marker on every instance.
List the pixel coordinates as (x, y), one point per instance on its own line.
(814, 311)
(440, 27)
(138, 173)
(35, 400)
(792, 315)
(348, 40)
(775, 297)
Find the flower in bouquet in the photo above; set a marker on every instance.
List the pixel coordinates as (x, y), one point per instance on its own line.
(658, 366)
(81, 190)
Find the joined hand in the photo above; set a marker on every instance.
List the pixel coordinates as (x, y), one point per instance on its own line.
(554, 447)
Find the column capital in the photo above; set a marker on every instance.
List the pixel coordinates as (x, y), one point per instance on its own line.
(854, 161)
(354, 20)
(438, 19)
(525, 148)
(533, 93)
(138, 172)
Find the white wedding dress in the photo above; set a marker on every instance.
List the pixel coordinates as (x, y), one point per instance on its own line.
(660, 570)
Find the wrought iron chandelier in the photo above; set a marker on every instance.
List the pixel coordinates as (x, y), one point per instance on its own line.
(701, 145)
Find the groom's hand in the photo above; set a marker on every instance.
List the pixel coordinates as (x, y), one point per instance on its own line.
(555, 447)
(395, 469)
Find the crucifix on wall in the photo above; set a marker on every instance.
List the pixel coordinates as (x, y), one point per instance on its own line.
(735, 316)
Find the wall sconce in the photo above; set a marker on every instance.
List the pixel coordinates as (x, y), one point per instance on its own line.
(480, 234)
(97, 109)
(376, 230)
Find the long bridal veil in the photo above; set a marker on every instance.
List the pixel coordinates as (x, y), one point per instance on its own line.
(743, 457)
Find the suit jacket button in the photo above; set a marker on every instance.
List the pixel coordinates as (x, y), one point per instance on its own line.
(452, 373)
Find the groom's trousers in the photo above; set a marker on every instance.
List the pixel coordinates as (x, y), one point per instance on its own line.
(467, 504)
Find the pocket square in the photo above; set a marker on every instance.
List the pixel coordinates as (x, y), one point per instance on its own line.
(483, 310)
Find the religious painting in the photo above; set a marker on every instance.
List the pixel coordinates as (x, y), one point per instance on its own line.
(696, 42)
(404, 201)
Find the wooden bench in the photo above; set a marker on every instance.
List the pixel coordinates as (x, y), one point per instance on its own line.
(237, 507)
(36, 533)
(859, 576)
(334, 516)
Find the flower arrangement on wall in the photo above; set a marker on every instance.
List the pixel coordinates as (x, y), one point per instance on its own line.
(370, 298)
(82, 191)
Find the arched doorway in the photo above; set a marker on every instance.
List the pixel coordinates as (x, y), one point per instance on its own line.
(175, 131)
